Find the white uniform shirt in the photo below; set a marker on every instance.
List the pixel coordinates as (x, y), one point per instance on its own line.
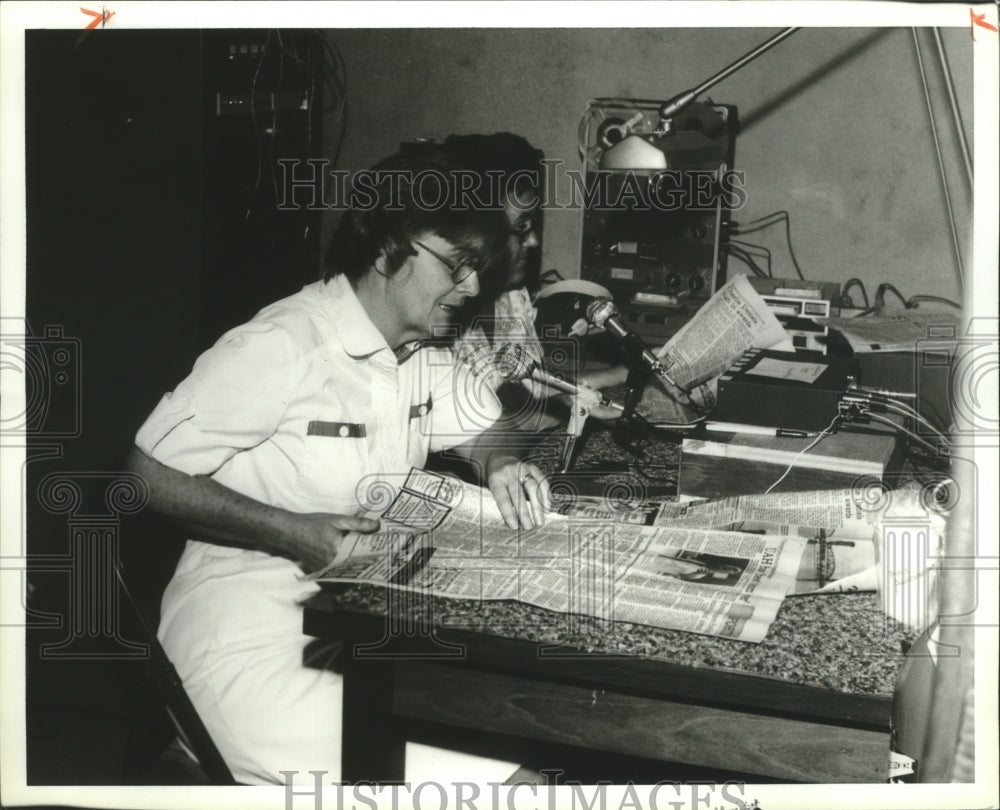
(305, 401)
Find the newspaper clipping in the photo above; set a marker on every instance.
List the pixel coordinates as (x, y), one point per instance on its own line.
(733, 320)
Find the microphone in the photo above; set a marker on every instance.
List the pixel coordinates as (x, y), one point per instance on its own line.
(513, 363)
(602, 313)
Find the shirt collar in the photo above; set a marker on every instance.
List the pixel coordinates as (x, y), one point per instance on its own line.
(358, 335)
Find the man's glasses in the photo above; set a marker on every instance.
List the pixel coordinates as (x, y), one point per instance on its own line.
(459, 272)
(523, 229)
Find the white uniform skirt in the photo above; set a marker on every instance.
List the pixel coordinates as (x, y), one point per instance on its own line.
(232, 627)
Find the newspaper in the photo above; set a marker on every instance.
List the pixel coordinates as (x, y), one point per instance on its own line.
(620, 510)
(894, 333)
(445, 538)
(839, 529)
(856, 539)
(733, 320)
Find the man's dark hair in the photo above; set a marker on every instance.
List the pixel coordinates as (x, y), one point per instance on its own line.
(405, 197)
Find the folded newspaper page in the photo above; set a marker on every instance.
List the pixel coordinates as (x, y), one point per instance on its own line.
(856, 539)
(892, 542)
(840, 536)
(733, 320)
(895, 333)
(445, 538)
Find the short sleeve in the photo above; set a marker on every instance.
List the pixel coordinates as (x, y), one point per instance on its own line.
(464, 403)
(233, 400)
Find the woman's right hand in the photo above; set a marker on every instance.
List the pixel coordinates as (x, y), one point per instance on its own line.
(216, 513)
(314, 539)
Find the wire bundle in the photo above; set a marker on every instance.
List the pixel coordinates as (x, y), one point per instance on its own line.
(766, 222)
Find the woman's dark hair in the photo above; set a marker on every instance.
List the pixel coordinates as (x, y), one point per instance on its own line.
(405, 197)
(501, 152)
(508, 166)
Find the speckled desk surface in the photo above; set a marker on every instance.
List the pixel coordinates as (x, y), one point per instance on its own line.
(841, 642)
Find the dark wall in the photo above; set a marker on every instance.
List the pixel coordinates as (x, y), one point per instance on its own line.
(835, 125)
(114, 220)
(152, 226)
(151, 219)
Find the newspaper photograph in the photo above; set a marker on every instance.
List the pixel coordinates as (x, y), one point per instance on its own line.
(693, 578)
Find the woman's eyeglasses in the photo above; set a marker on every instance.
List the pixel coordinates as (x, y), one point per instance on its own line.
(459, 272)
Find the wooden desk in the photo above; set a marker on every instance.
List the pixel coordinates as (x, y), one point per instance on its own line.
(811, 703)
(716, 464)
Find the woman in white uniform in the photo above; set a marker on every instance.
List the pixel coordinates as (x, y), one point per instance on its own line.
(265, 452)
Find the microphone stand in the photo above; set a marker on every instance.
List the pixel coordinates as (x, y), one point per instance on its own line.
(630, 429)
(578, 413)
(635, 383)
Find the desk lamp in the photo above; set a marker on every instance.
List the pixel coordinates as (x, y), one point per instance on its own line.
(687, 136)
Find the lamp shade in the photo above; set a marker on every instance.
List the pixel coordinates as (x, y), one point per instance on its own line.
(686, 150)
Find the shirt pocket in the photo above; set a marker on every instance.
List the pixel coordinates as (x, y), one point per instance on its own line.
(334, 460)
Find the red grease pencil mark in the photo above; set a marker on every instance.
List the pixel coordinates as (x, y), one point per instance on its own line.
(101, 17)
(980, 20)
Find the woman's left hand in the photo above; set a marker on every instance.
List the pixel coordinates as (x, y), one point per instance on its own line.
(521, 491)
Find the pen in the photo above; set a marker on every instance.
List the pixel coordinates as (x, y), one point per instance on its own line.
(758, 430)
